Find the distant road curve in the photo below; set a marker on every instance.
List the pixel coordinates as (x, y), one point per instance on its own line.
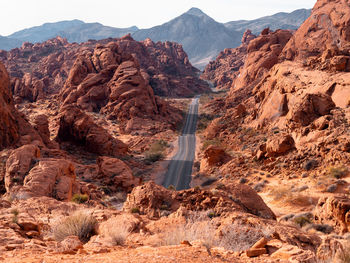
(180, 167)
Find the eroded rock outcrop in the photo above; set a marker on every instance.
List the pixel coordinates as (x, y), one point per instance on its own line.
(224, 70)
(40, 70)
(77, 127)
(111, 82)
(151, 199)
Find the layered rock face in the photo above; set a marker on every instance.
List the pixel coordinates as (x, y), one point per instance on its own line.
(322, 41)
(8, 125)
(41, 69)
(111, 82)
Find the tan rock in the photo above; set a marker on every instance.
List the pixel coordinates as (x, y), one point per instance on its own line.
(255, 252)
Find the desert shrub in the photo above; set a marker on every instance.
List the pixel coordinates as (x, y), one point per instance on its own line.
(153, 157)
(214, 142)
(79, 224)
(156, 151)
(15, 214)
(241, 235)
(171, 187)
(135, 210)
(285, 194)
(204, 120)
(118, 234)
(80, 198)
(238, 236)
(338, 172)
(343, 255)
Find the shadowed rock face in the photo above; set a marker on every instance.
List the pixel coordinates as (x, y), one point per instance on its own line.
(41, 69)
(8, 125)
(77, 127)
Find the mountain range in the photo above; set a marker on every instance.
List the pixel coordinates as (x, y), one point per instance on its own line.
(201, 36)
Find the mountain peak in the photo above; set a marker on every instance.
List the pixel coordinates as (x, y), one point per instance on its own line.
(195, 12)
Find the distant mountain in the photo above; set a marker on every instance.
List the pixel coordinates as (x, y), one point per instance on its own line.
(201, 36)
(7, 43)
(74, 31)
(277, 21)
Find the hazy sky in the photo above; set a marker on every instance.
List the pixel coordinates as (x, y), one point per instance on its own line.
(20, 14)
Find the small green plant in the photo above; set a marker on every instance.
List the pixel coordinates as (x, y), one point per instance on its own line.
(214, 142)
(164, 207)
(135, 210)
(79, 224)
(302, 221)
(80, 198)
(211, 214)
(156, 152)
(15, 214)
(338, 172)
(171, 187)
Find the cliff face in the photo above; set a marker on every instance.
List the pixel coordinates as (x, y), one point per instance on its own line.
(8, 125)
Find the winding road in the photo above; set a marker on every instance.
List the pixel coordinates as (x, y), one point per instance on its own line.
(180, 167)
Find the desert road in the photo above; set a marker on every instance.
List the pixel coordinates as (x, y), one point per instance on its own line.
(180, 167)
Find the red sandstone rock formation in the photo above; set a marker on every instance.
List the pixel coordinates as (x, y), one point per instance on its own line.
(77, 127)
(110, 82)
(41, 69)
(224, 70)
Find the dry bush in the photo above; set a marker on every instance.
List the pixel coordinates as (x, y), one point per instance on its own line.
(338, 172)
(285, 194)
(343, 256)
(156, 151)
(118, 234)
(237, 236)
(197, 227)
(240, 236)
(79, 224)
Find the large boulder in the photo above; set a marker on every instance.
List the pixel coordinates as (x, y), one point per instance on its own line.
(309, 108)
(28, 175)
(152, 199)
(322, 41)
(334, 211)
(116, 174)
(77, 127)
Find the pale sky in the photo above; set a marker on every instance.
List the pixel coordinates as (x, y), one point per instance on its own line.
(20, 14)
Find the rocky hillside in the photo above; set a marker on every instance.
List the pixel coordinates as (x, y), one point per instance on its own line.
(74, 31)
(277, 21)
(41, 69)
(286, 114)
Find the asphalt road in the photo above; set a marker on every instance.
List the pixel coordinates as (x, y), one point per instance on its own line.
(180, 167)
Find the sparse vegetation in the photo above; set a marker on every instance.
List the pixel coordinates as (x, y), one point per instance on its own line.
(338, 172)
(171, 187)
(343, 255)
(15, 214)
(237, 236)
(79, 224)
(156, 151)
(204, 120)
(285, 194)
(118, 234)
(207, 143)
(135, 210)
(80, 198)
